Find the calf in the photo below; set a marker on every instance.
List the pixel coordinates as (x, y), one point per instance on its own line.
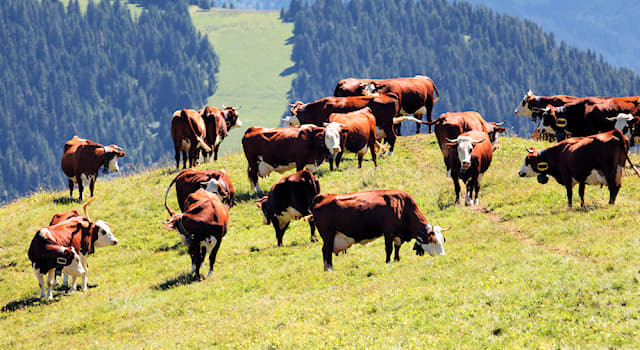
(188, 132)
(214, 181)
(360, 217)
(82, 159)
(595, 160)
(46, 256)
(360, 129)
(289, 199)
(469, 163)
(201, 227)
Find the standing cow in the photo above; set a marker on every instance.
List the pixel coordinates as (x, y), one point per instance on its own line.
(289, 199)
(188, 132)
(201, 226)
(214, 181)
(470, 159)
(218, 122)
(82, 159)
(595, 160)
(360, 129)
(360, 217)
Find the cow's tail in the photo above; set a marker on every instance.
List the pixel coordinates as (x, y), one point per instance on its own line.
(166, 194)
(626, 154)
(435, 88)
(198, 137)
(382, 148)
(84, 207)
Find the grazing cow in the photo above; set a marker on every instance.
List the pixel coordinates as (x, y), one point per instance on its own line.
(214, 181)
(384, 109)
(469, 163)
(189, 134)
(80, 232)
(360, 217)
(47, 255)
(584, 118)
(289, 199)
(82, 159)
(595, 160)
(360, 128)
(282, 149)
(217, 123)
(415, 95)
(201, 227)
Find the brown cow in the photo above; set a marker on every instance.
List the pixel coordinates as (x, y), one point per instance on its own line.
(201, 227)
(595, 160)
(469, 163)
(360, 128)
(214, 181)
(282, 149)
(82, 159)
(188, 132)
(289, 199)
(218, 122)
(531, 104)
(360, 217)
(47, 256)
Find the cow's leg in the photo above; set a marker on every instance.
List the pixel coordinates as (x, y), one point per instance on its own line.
(65, 280)
(40, 280)
(92, 184)
(312, 228)
(212, 256)
(374, 156)
(71, 184)
(50, 276)
(84, 259)
(252, 173)
(327, 250)
(396, 128)
(581, 187)
(279, 231)
(569, 194)
(331, 163)
(396, 246)
(215, 152)
(177, 157)
(339, 158)
(613, 193)
(80, 188)
(419, 116)
(388, 248)
(456, 187)
(391, 139)
(184, 159)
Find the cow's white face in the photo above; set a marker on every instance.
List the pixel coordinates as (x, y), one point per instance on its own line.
(105, 237)
(465, 147)
(523, 108)
(291, 120)
(75, 268)
(332, 138)
(436, 245)
(527, 169)
(215, 186)
(113, 164)
(622, 123)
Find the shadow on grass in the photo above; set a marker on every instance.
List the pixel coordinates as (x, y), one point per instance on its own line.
(181, 280)
(166, 248)
(65, 200)
(29, 302)
(252, 196)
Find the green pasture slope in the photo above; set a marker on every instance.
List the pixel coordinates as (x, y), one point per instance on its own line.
(254, 58)
(521, 270)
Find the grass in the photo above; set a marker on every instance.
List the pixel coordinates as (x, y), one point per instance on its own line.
(521, 270)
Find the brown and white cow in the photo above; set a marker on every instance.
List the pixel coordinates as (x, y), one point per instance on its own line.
(214, 181)
(218, 122)
(285, 148)
(82, 159)
(47, 256)
(384, 109)
(289, 199)
(79, 231)
(361, 217)
(531, 104)
(189, 133)
(360, 128)
(629, 124)
(201, 227)
(470, 159)
(595, 160)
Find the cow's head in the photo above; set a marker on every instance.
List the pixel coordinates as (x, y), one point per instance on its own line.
(370, 88)
(297, 109)
(219, 187)
(263, 204)
(431, 240)
(231, 117)
(332, 139)
(494, 130)
(629, 125)
(524, 108)
(553, 122)
(69, 261)
(535, 165)
(464, 145)
(111, 155)
(102, 235)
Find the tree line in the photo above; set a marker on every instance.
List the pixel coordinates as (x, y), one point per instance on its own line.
(99, 74)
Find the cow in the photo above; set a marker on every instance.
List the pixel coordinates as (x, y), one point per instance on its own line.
(469, 161)
(360, 128)
(201, 227)
(285, 148)
(214, 181)
(595, 160)
(47, 256)
(289, 199)
(189, 133)
(82, 159)
(584, 118)
(531, 104)
(360, 217)
(629, 124)
(217, 123)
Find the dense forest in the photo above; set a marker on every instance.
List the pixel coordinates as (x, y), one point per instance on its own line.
(98, 74)
(479, 60)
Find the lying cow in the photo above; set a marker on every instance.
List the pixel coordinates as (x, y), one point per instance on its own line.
(82, 159)
(289, 199)
(64, 228)
(282, 149)
(595, 160)
(469, 163)
(47, 256)
(214, 181)
(360, 217)
(201, 227)
(360, 129)
(189, 133)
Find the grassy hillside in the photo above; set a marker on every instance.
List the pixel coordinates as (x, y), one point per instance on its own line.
(253, 53)
(521, 270)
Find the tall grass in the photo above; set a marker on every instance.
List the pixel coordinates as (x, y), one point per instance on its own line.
(521, 270)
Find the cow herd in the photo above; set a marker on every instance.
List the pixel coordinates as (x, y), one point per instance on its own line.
(595, 134)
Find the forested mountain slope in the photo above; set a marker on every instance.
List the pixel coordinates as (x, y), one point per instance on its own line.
(478, 59)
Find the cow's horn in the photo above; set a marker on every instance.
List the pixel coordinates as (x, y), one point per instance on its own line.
(499, 124)
(454, 140)
(445, 229)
